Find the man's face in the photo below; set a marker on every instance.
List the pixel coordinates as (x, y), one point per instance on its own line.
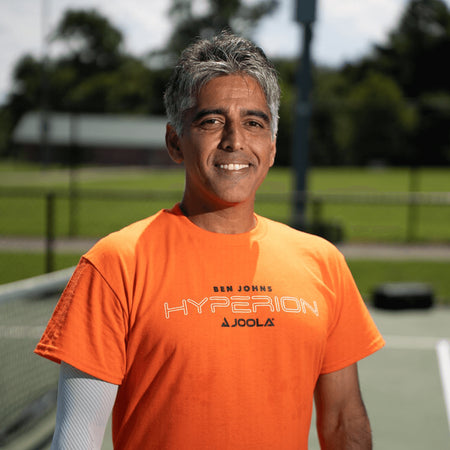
(227, 145)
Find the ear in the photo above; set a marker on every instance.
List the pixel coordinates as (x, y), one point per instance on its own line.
(173, 144)
(273, 151)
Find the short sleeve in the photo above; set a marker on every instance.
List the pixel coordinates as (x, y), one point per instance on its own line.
(353, 334)
(88, 327)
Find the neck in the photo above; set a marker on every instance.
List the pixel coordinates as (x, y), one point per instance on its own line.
(233, 219)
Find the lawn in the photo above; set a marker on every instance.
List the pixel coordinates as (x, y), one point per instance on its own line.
(20, 265)
(108, 199)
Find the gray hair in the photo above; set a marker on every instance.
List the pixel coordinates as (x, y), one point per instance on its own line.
(224, 54)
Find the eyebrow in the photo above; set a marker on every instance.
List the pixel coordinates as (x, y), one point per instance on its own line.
(257, 113)
(206, 112)
(248, 112)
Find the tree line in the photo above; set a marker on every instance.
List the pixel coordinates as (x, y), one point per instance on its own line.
(390, 107)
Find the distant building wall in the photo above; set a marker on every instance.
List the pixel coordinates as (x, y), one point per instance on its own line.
(94, 139)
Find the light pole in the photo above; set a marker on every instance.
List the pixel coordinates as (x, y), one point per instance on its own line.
(44, 103)
(305, 15)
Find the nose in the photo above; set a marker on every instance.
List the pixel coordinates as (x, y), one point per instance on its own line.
(232, 138)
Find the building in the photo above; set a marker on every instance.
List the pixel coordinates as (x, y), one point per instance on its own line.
(104, 139)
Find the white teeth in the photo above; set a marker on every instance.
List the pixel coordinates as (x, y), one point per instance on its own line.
(233, 166)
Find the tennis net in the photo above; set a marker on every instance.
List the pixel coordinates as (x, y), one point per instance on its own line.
(28, 384)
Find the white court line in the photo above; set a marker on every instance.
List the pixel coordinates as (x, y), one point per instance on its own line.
(442, 348)
(443, 354)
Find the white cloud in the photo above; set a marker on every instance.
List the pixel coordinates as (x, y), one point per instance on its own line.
(279, 34)
(20, 33)
(145, 24)
(349, 28)
(370, 18)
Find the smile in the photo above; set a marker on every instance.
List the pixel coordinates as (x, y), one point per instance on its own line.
(233, 166)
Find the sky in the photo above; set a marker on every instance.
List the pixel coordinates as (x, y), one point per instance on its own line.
(344, 30)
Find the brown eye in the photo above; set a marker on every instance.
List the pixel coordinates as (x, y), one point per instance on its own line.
(210, 123)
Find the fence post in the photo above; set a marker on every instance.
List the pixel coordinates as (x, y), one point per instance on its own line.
(412, 213)
(73, 174)
(317, 211)
(50, 232)
(412, 218)
(73, 208)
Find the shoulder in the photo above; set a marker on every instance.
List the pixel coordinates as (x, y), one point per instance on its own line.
(310, 253)
(300, 240)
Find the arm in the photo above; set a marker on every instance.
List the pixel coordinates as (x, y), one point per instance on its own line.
(83, 410)
(342, 421)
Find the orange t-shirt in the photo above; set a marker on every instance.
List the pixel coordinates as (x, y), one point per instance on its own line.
(216, 340)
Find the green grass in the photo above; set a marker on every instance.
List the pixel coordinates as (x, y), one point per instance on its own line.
(97, 215)
(20, 265)
(342, 180)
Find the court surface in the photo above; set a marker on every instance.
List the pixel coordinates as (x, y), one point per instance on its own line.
(402, 385)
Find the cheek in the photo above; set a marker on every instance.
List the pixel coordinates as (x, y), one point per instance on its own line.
(200, 146)
(197, 159)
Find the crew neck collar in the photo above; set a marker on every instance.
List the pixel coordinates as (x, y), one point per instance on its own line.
(256, 232)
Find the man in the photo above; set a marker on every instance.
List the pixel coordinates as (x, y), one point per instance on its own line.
(206, 325)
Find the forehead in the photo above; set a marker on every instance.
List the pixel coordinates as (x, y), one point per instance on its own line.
(232, 89)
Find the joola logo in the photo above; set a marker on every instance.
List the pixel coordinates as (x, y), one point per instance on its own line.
(250, 323)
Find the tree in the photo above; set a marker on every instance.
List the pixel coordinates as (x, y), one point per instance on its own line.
(381, 122)
(286, 69)
(415, 57)
(27, 88)
(93, 74)
(432, 134)
(5, 131)
(416, 51)
(91, 39)
(331, 125)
